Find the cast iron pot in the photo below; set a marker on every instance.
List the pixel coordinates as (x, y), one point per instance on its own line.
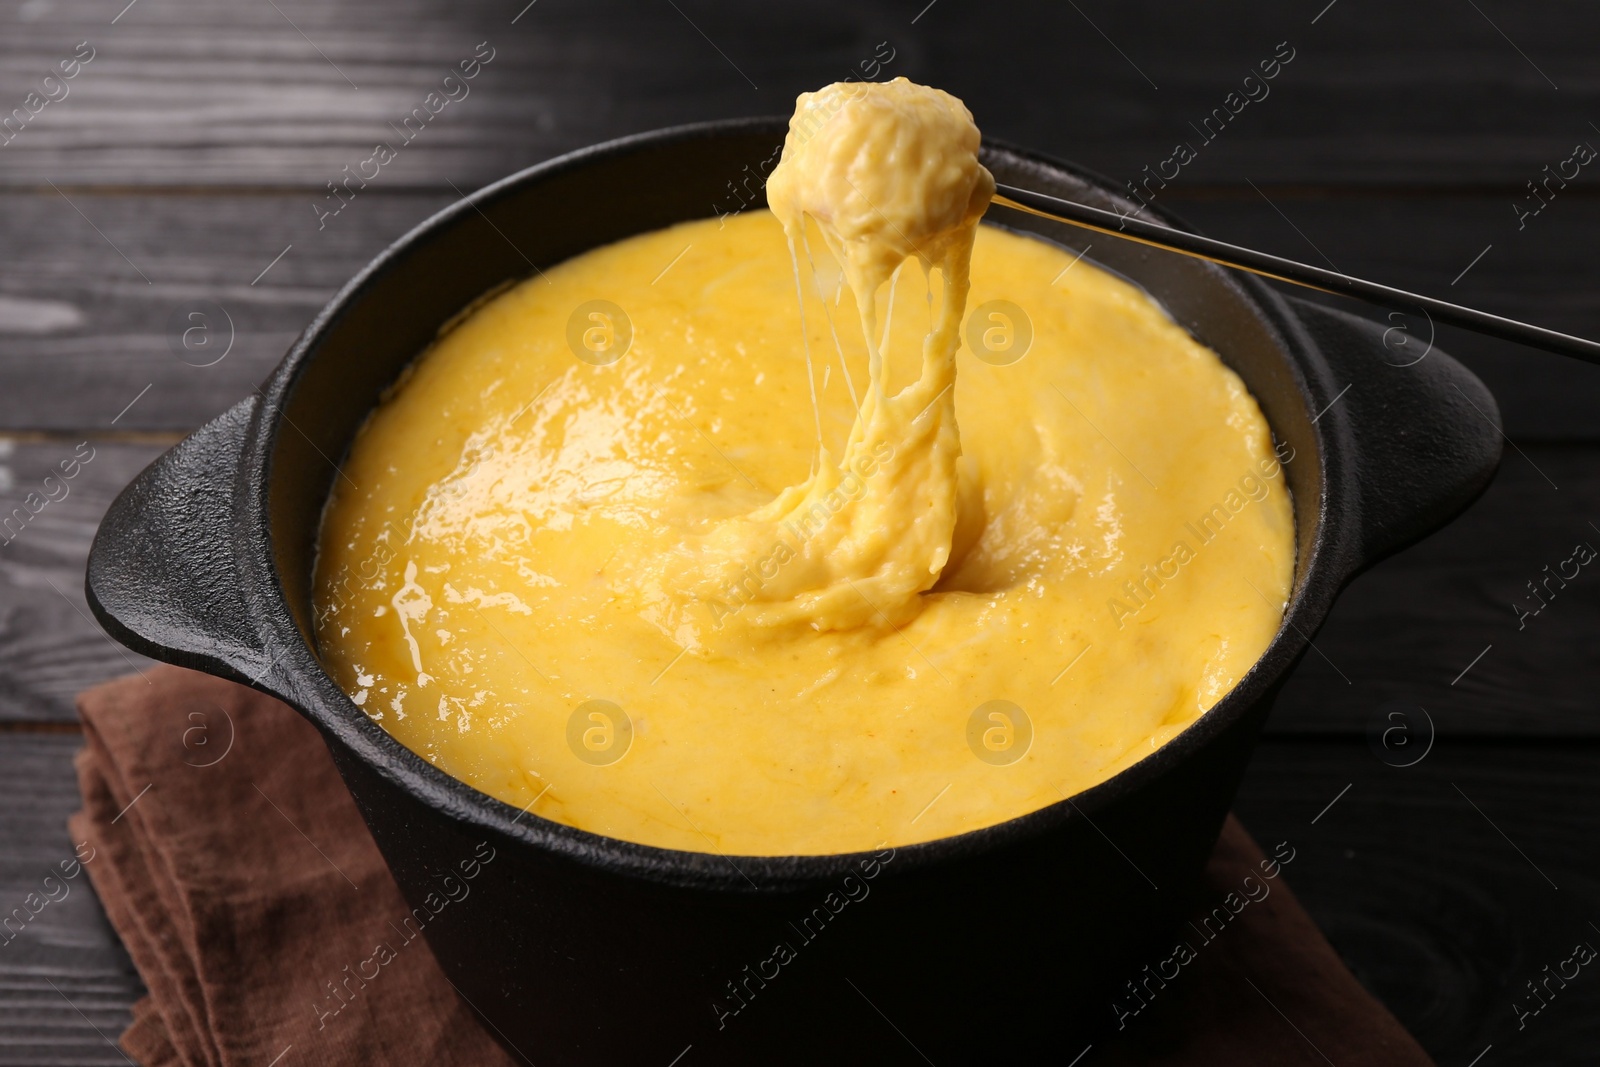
(995, 945)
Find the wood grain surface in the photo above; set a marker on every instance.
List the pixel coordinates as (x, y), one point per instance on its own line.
(186, 163)
(183, 94)
(1447, 885)
(65, 981)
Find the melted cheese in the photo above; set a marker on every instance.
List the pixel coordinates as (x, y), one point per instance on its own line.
(886, 172)
(643, 598)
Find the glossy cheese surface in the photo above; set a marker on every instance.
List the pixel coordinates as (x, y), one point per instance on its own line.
(539, 572)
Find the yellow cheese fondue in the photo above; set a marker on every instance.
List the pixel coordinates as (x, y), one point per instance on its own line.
(766, 536)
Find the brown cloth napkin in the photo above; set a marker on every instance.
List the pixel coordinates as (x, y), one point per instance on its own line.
(240, 876)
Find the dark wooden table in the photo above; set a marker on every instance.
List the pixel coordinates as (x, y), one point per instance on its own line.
(189, 159)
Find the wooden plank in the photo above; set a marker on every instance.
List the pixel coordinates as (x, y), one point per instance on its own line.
(1410, 632)
(1436, 883)
(50, 647)
(1471, 249)
(65, 981)
(1425, 898)
(82, 334)
(180, 93)
(1400, 633)
(1432, 908)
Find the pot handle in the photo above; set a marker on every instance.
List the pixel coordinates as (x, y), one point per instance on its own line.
(163, 577)
(1423, 432)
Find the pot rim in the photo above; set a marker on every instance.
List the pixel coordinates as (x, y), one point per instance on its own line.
(312, 690)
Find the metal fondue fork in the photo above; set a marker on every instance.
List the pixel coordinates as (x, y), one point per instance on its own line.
(1130, 228)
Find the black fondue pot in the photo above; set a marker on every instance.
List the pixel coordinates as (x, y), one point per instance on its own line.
(997, 945)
